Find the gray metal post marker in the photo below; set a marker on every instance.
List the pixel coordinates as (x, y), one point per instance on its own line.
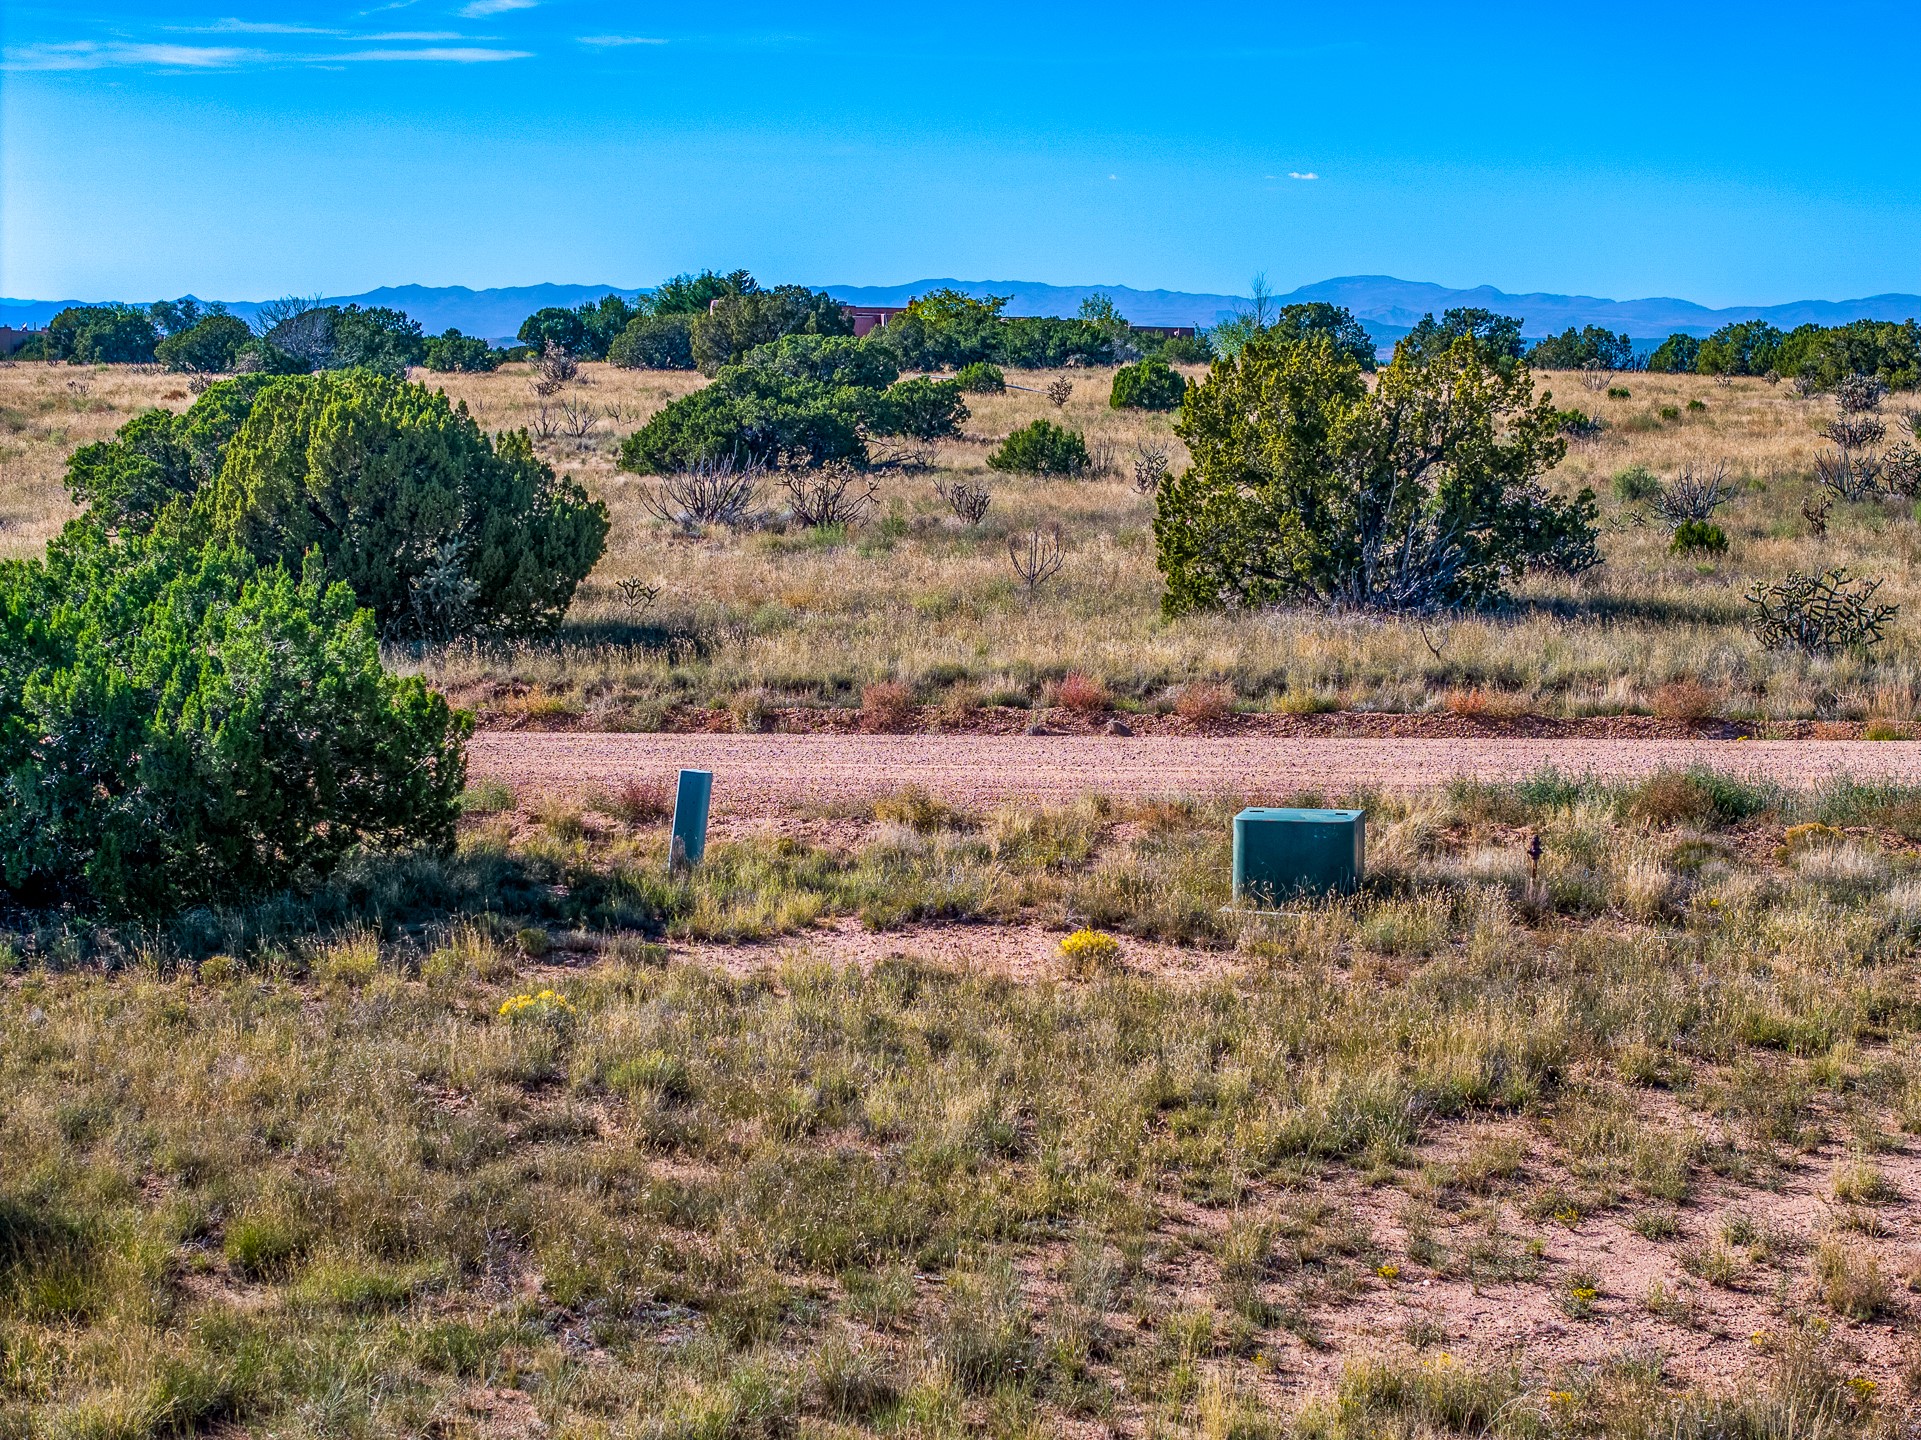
(689, 842)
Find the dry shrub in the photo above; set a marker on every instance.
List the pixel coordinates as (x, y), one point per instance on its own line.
(1204, 702)
(638, 802)
(1671, 798)
(887, 707)
(959, 707)
(753, 711)
(1493, 704)
(918, 809)
(1083, 694)
(1685, 700)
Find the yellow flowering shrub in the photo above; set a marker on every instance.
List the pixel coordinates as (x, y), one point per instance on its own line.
(1811, 836)
(1089, 952)
(548, 1007)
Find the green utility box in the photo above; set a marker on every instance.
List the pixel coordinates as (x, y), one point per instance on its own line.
(1279, 854)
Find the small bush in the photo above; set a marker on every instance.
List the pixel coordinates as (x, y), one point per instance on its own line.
(1697, 405)
(1087, 953)
(919, 409)
(1695, 493)
(1703, 536)
(1083, 694)
(1862, 1182)
(753, 414)
(918, 809)
(1204, 702)
(1685, 700)
(638, 802)
(982, 377)
(968, 502)
(1670, 412)
(1702, 797)
(547, 1009)
(1619, 392)
(1042, 448)
(1636, 483)
(1578, 424)
(1149, 385)
(887, 707)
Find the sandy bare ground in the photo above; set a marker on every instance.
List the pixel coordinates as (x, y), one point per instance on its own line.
(757, 773)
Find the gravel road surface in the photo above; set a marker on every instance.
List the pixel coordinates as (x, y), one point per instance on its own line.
(758, 773)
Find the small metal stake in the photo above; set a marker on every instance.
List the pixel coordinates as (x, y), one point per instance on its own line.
(689, 842)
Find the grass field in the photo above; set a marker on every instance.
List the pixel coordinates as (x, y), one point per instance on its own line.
(533, 1141)
(765, 618)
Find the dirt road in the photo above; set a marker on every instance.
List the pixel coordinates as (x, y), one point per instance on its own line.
(756, 773)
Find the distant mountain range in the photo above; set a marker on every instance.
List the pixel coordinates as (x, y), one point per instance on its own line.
(1386, 306)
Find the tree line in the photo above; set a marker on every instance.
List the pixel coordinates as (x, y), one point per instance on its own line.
(708, 321)
(1819, 355)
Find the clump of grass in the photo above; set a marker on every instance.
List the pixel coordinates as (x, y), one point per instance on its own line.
(639, 801)
(1861, 1182)
(1850, 1281)
(919, 809)
(487, 797)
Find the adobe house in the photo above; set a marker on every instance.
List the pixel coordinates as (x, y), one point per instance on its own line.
(869, 318)
(12, 339)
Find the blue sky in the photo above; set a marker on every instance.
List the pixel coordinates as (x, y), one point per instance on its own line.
(1724, 153)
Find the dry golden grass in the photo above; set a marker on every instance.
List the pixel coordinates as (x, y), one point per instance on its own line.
(914, 597)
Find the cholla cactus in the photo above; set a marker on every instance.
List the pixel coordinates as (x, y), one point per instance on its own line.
(1821, 614)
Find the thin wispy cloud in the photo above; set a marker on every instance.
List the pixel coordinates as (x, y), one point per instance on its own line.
(398, 35)
(478, 8)
(612, 40)
(123, 55)
(1302, 175)
(254, 27)
(445, 55)
(89, 55)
